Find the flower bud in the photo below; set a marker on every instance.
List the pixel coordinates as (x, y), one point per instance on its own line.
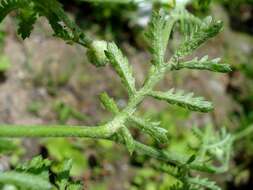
(96, 53)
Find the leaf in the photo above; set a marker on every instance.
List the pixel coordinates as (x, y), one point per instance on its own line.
(27, 18)
(25, 180)
(151, 128)
(121, 66)
(6, 6)
(203, 182)
(191, 159)
(108, 103)
(63, 176)
(184, 100)
(37, 174)
(201, 4)
(158, 34)
(208, 30)
(204, 64)
(37, 166)
(61, 149)
(128, 139)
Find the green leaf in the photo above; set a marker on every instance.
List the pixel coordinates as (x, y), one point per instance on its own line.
(6, 6)
(184, 100)
(204, 64)
(38, 174)
(27, 17)
(108, 103)
(63, 176)
(25, 180)
(158, 34)
(191, 159)
(37, 166)
(207, 30)
(203, 182)
(128, 139)
(121, 66)
(201, 4)
(60, 23)
(151, 128)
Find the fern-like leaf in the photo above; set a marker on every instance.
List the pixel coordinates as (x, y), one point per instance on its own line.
(184, 100)
(198, 182)
(128, 139)
(108, 103)
(158, 34)
(6, 6)
(207, 30)
(204, 64)
(25, 180)
(121, 66)
(27, 18)
(151, 128)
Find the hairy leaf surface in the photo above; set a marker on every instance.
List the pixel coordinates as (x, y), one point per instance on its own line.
(121, 66)
(184, 100)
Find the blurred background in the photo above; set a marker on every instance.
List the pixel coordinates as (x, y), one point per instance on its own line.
(45, 81)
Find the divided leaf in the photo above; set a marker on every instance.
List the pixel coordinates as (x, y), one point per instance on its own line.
(121, 66)
(203, 182)
(158, 34)
(63, 177)
(25, 180)
(108, 103)
(204, 64)
(36, 175)
(27, 18)
(6, 6)
(207, 30)
(37, 166)
(184, 100)
(151, 128)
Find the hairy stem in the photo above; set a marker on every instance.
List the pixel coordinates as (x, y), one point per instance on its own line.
(55, 131)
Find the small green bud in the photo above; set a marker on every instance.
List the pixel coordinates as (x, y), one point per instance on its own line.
(96, 53)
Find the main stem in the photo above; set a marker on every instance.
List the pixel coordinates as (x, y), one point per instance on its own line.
(54, 131)
(103, 131)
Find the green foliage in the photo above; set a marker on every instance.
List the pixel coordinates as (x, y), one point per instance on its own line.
(184, 100)
(61, 149)
(27, 18)
(203, 156)
(205, 64)
(207, 30)
(109, 103)
(121, 66)
(35, 175)
(151, 128)
(6, 6)
(158, 34)
(128, 139)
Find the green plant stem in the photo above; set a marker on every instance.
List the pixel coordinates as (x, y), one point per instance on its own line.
(172, 158)
(54, 131)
